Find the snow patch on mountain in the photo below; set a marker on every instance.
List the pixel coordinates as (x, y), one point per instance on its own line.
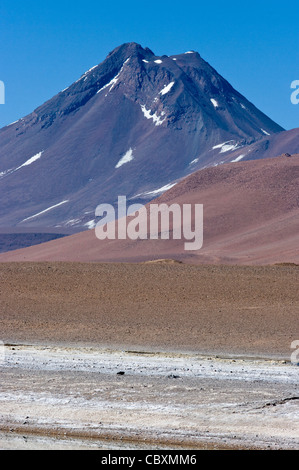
(155, 192)
(114, 80)
(31, 160)
(13, 122)
(5, 172)
(72, 222)
(28, 162)
(160, 190)
(46, 210)
(91, 224)
(214, 103)
(89, 70)
(112, 83)
(226, 146)
(156, 119)
(240, 157)
(128, 157)
(166, 89)
(84, 75)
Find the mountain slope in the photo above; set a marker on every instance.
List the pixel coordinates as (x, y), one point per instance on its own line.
(267, 147)
(132, 125)
(251, 216)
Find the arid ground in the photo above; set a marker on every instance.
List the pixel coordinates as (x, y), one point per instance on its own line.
(161, 305)
(161, 354)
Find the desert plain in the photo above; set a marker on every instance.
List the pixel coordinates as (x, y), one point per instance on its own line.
(149, 355)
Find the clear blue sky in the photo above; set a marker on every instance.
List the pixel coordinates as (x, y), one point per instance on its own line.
(46, 46)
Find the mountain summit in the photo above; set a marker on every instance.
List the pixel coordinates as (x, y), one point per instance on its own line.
(133, 125)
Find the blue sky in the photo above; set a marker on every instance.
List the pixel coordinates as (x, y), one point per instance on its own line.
(46, 46)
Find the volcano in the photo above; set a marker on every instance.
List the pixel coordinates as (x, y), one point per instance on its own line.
(133, 125)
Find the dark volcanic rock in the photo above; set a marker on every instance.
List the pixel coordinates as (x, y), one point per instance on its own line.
(15, 241)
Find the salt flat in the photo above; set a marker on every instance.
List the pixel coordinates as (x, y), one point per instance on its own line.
(173, 400)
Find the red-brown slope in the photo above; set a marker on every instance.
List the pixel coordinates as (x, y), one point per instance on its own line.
(251, 216)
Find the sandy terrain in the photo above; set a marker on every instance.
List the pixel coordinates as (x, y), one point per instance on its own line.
(205, 353)
(220, 309)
